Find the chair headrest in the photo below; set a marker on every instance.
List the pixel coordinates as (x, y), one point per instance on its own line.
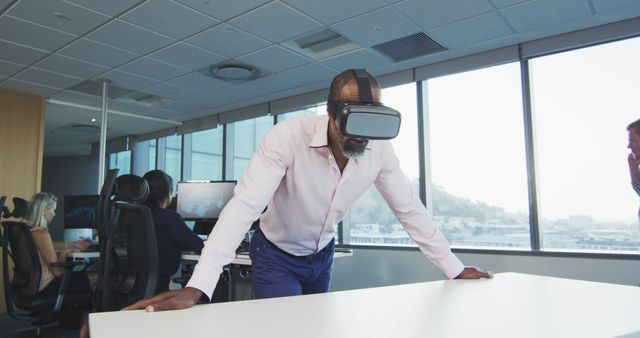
(20, 207)
(131, 188)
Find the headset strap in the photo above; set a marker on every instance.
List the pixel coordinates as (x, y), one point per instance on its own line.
(364, 86)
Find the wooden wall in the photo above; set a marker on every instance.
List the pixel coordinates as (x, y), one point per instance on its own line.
(21, 148)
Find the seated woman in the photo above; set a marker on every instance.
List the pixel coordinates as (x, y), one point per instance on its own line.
(42, 208)
(172, 234)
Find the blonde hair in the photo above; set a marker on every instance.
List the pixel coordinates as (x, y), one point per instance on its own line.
(38, 204)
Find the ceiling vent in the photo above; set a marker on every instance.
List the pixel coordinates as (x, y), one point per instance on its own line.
(95, 88)
(321, 44)
(233, 72)
(409, 47)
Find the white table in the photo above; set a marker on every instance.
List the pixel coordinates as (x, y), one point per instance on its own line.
(509, 305)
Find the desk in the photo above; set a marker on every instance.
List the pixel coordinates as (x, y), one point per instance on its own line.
(509, 305)
(243, 259)
(239, 259)
(83, 255)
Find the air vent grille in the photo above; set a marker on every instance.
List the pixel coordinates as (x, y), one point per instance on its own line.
(321, 44)
(409, 47)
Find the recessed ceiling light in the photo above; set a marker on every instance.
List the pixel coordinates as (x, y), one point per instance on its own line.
(234, 72)
(93, 120)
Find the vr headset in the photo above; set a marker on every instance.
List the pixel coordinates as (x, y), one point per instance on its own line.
(366, 119)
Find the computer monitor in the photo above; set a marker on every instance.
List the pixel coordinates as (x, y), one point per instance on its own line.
(80, 211)
(203, 201)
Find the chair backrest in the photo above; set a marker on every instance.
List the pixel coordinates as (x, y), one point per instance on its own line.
(19, 246)
(27, 270)
(104, 220)
(133, 258)
(4, 213)
(105, 204)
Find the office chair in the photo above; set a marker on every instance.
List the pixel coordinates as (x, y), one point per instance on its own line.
(21, 291)
(131, 261)
(104, 221)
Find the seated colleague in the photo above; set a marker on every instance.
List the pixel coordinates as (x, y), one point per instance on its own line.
(309, 173)
(172, 233)
(42, 208)
(41, 212)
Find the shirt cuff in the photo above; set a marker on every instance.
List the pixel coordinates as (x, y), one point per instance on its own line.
(451, 266)
(205, 279)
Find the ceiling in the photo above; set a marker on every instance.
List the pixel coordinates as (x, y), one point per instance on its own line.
(157, 53)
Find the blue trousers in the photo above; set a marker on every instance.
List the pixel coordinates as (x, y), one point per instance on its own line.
(276, 273)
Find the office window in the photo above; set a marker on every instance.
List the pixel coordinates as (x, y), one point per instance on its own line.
(369, 220)
(173, 158)
(476, 178)
(144, 157)
(316, 110)
(152, 151)
(206, 155)
(582, 102)
(243, 138)
(122, 161)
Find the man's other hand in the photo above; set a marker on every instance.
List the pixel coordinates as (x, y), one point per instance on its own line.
(471, 272)
(170, 300)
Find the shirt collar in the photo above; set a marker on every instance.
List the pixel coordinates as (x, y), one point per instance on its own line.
(320, 130)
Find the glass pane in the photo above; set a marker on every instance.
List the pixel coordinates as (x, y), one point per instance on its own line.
(152, 154)
(583, 100)
(113, 161)
(477, 157)
(141, 160)
(369, 220)
(317, 110)
(173, 158)
(245, 137)
(122, 161)
(206, 155)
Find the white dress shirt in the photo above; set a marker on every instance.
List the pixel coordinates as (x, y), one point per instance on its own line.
(294, 171)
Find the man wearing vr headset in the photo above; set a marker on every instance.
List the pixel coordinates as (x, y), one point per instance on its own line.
(309, 171)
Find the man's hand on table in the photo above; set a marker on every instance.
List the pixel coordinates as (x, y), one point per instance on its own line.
(472, 272)
(170, 300)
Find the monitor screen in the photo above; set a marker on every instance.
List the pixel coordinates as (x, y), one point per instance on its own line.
(80, 211)
(203, 200)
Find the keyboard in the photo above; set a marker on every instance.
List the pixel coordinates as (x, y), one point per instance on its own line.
(93, 247)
